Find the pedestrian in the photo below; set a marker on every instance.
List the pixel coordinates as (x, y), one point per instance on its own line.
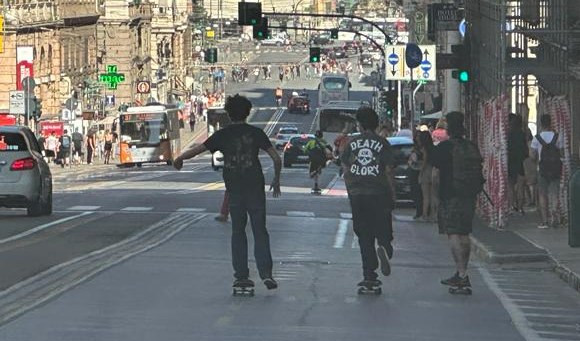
(368, 163)
(77, 139)
(517, 153)
(546, 147)
(531, 175)
(108, 146)
(461, 179)
(281, 73)
(51, 146)
(426, 175)
(319, 152)
(269, 71)
(240, 144)
(225, 209)
(297, 67)
(192, 122)
(64, 149)
(91, 147)
(100, 144)
(256, 74)
(340, 144)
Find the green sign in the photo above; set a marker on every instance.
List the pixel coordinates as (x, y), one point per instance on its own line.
(111, 78)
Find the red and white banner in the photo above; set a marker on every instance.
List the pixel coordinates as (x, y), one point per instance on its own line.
(23, 69)
(46, 128)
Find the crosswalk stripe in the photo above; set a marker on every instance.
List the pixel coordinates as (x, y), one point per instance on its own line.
(300, 214)
(137, 209)
(191, 209)
(344, 215)
(402, 217)
(340, 236)
(84, 208)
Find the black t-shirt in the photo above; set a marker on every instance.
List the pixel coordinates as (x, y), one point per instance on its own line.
(517, 152)
(366, 157)
(442, 158)
(240, 143)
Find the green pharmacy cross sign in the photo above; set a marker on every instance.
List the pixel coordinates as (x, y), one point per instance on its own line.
(111, 78)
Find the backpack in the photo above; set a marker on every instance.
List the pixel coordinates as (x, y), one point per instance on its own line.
(467, 165)
(317, 154)
(550, 162)
(66, 142)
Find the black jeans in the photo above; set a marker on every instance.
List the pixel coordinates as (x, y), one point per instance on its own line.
(252, 203)
(372, 220)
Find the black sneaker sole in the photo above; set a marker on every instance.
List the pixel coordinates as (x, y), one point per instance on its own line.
(270, 284)
(384, 260)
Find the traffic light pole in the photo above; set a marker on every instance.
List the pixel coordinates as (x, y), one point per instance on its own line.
(377, 45)
(348, 16)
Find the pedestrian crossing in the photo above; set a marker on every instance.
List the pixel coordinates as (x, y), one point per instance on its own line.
(343, 216)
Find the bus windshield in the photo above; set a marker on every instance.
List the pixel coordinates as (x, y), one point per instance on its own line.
(334, 83)
(149, 128)
(337, 120)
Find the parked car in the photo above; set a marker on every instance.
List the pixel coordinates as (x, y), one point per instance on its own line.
(294, 150)
(299, 104)
(321, 39)
(25, 178)
(284, 134)
(402, 147)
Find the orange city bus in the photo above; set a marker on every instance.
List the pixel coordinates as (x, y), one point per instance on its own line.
(149, 134)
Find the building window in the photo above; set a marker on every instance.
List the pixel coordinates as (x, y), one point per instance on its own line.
(49, 58)
(42, 58)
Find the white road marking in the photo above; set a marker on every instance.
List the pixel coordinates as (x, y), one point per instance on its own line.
(340, 234)
(42, 227)
(84, 208)
(191, 209)
(354, 244)
(300, 214)
(346, 215)
(406, 218)
(137, 209)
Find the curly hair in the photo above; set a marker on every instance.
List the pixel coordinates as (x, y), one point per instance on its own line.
(238, 107)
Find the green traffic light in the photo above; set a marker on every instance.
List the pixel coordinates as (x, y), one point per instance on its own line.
(314, 59)
(463, 76)
(260, 34)
(253, 21)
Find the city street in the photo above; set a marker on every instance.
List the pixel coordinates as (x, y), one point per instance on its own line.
(135, 254)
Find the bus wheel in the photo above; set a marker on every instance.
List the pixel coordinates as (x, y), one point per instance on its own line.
(139, 165)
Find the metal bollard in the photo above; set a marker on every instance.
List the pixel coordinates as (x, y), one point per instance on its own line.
(574, 211)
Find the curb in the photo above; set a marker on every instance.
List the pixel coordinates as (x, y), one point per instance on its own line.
(496, 258)
(568, 276)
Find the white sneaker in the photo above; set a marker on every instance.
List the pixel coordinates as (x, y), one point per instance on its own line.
(543, 226)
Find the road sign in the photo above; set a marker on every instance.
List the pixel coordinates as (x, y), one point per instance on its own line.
(424, 58)
(17, 102)
(143, 87)
(66, 115)
(110, 100)
(210, 34)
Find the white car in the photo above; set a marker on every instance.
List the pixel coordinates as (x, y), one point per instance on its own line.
(278, 41)
(284, 135)
(25, 178)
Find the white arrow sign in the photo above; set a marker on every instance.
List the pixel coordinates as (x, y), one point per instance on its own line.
(397, 68)
(17, 105)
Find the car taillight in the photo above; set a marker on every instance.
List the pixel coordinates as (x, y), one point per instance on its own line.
(23, 164)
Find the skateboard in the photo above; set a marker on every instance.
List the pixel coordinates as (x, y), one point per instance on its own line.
(316, 192)
(366, 288)
(460, 290)
(243, 291)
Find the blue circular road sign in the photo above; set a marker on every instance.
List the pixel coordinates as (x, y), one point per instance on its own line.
(426, 65)
(393, 59)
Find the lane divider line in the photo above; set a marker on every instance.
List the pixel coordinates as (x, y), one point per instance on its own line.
(42, 227)
(340, 236)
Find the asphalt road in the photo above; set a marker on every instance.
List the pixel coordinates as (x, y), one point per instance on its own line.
(135, 254)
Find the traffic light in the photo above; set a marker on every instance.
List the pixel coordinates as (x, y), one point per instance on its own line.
(388, 103)
(315, 54)
(211, 55)
(334, 33)
(462, 55)
(36, 110)
(249, 13)
(260, 30)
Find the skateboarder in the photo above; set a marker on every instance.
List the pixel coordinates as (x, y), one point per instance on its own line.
(368, 172)
(319, 152)
(240, 144)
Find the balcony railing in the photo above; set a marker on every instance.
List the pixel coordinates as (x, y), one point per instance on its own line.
(30, 13)
(140, 9)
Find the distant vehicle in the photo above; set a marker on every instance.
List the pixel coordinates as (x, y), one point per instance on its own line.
(402, 147)
(294, 150)
(275, 41)
(25, 178)
(149, 134)
(284, 134)
(299, 104)
(337, 116)
(321, 39)
(217, 118)
(333, 87)
(366, 59)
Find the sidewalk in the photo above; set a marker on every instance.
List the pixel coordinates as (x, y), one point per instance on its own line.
(523, 242)
(187, 138)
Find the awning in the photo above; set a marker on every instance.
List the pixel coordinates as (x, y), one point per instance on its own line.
(433, 116)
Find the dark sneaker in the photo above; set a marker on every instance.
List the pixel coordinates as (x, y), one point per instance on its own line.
(457, 281)
(221, 218)
(243, 283)
(384, 260)
(270, 283)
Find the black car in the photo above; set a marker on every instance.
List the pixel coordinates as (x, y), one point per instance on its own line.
(402, 147)
(294, 150)
(321, 39)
